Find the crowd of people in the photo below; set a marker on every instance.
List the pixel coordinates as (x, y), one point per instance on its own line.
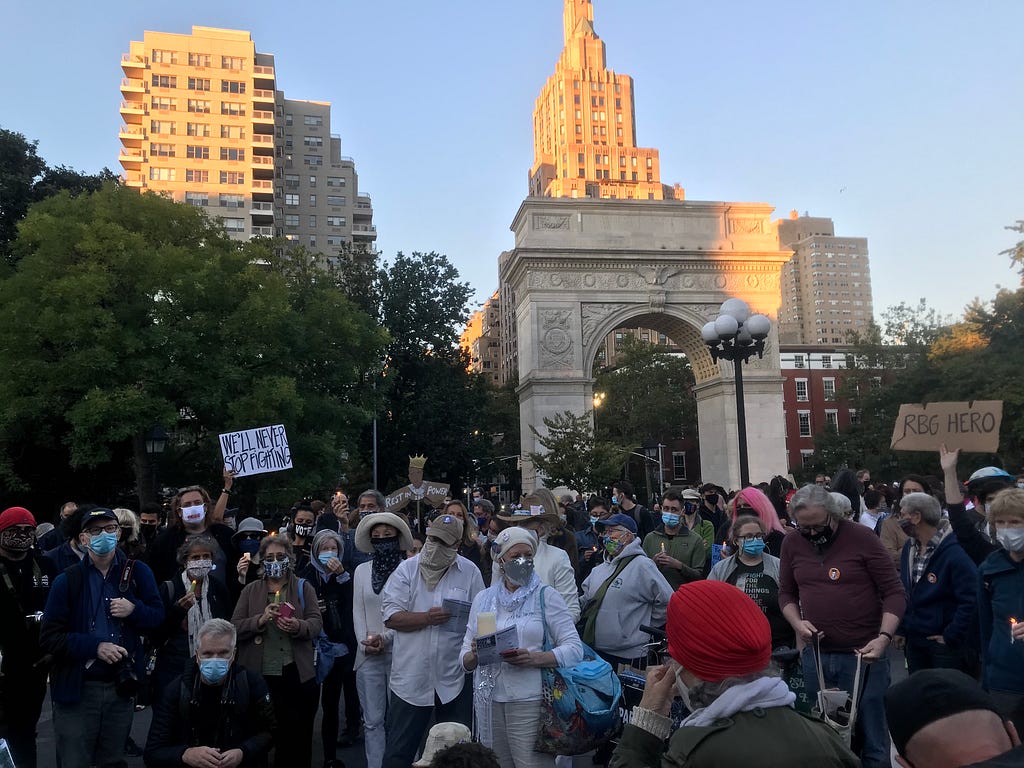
(237, 635)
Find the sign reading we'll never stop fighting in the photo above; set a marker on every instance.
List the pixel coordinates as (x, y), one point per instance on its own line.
(254, 451)
(972, 426)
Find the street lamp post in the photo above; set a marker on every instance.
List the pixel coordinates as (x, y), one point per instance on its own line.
(736, 335)
(653, 452)
(156, 442)
(597, 400)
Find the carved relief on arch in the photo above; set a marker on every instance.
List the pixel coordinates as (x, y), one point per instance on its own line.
(557, 349)
(594, 315)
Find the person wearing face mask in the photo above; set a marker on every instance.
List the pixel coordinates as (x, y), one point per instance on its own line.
(756, 572)
(217, 713)
(333, 585)
(693, 520)
(427, 678)
(494, 527)
(278, 619)
(941, 585)
(150, 518)
(131, 541)
(190, 599)
(301, 531)
(836, 582)
(741, 712)
(470, 547)
(1001, 607)
(25, 578)
(193, 512)
(507, 695)
(712, 507)
(95, 615)
(386, 538)
(971, 526)
(587, 545)
(247, 542)
(678, 553)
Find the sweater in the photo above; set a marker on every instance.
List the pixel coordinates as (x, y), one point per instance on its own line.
(844, 589)
(944, 600)
(685, 546)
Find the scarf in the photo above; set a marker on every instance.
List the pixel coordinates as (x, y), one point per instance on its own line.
(385, 560)
(435, 560)
(765, 692)
(199, 613)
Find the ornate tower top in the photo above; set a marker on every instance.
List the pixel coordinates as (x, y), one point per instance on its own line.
(578, 19)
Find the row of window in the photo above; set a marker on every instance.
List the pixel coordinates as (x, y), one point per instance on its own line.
(196, 152)
(291, 181)
(199, 106)
(292, 220)
(198, 84)
(831, 420)
(313, 121)
(163, 56)
(195, 175)
(202, 199)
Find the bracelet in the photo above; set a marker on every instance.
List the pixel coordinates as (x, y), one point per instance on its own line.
(883, 633)
(657, 725)
(225, 490)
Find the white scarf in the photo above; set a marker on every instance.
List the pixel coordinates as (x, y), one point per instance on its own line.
(199, 613)
(765, 692)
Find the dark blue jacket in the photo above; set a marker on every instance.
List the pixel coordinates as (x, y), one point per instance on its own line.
(65, 631)
(1000, 598)
(944, 600)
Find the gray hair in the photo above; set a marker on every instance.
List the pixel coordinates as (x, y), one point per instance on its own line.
(844, 507)
(704, 693)
(813, 496)
(217, 628)
(924, 503)
(376, 495)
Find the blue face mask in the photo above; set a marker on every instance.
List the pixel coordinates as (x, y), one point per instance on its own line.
(326, 557)
(252, 546)
(615, 499)
(670, 521)
(754, 547)
(103, 544)
(214, 670)
(594, 520)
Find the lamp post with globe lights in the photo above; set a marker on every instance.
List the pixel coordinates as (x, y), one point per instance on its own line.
(737, 335)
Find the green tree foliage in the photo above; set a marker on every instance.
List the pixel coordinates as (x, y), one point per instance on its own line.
(129, 310)
(572, 457)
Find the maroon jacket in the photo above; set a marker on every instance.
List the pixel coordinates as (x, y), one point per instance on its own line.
(844, 590)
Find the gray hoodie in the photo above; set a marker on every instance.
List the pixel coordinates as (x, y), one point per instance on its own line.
(639, 595)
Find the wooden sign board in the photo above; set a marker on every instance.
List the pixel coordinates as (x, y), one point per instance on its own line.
(972, 426)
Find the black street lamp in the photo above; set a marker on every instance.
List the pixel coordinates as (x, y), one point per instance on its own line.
(156, 442)
(736, 335)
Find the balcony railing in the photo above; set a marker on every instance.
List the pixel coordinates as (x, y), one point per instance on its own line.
(263, 231)
(263, 94)
(132, 131)
(367, 228)
(263, 70)
(363, 205)
(128, 60)
(134, 106)
(262, 160)
(261, 209)
(258, 184)
(133, 84)
(263, 115)
(262, 138)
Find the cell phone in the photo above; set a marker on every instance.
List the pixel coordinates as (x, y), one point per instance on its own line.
(286, 611)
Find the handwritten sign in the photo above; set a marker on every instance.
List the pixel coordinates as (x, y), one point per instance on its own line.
(972, 426)
(431, 493)
(255, 451)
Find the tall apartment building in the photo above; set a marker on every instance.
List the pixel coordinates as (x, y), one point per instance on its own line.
(482, 340)
(205, 124)
(826, 286)
(584, 125)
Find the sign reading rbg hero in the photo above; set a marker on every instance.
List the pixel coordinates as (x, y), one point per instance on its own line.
(254, 451)
(972, 426)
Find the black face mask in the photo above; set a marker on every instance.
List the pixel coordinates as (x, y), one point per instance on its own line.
(148, 532)
(822, 539)
(908, 527)
(711, 499)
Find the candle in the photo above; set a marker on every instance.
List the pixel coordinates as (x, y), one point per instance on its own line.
(663, 547)
(277, 597)
(486, 623)
(1013, 623)
(193, 586)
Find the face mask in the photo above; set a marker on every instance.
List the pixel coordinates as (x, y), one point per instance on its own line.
(481, 523)
(711, 498)
(16, 540)
(193, 515)
(198, 569)
(519, 571)
(276, 569)
(908, 527)
(594, 520)
(820, 539)
(384, 546)
(251, 546)
(303, 530)
(326, 557)
(615, 499)
(754, 547)
(103, 544)
(669, 521)
(491, 536)
(214, 670)
(436, 556)
(690, 507)
(684, 692)
(1011, 538)
(476, 498)
(1020, 485)
(611, 546)
(149, 532)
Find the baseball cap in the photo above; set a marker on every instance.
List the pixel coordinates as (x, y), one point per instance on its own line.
(448, 528)
(624, 521)
(100, 513)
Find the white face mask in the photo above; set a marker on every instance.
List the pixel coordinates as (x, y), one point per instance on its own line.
(684, 691)
(193, 515)
(1011, 538)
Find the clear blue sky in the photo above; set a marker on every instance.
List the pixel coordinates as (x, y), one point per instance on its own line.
(901, 121)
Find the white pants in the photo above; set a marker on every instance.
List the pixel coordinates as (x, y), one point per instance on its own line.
(372, 685)
(514, 730)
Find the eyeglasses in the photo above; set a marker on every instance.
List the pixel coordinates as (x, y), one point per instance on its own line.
(751, 537)
(812, 529)
(112, 528)
(250, 536)
(744, 508)
(274, 558)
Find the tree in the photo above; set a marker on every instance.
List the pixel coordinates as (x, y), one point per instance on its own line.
(573, 457)
(128, 310)
(20, 166)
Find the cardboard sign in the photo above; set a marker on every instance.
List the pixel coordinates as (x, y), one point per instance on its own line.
(432, 494)
(255, 451)
(972, 426)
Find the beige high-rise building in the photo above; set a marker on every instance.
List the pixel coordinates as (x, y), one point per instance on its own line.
(205, 123)
(482, 340)
(826, 286)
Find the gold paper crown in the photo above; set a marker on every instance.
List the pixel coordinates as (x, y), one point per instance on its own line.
(417, 462)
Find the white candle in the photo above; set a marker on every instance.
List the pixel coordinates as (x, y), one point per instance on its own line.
(486, 623)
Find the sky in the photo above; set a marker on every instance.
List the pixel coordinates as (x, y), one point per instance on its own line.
(901, 121)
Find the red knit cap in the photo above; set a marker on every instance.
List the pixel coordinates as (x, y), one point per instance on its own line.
(715, 631)
(15, 516)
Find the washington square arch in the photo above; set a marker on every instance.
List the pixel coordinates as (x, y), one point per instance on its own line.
(583, 267)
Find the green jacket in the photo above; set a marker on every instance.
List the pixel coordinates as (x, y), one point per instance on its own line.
(778, 737)
(686, 546)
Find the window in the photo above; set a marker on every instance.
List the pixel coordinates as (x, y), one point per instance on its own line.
(313, 141)
(163, 126)
(291, 181)
(233, 225)
(876, 383)
(335, 240)
(232, 86)
(199, 59)
(197, 198)
(804, 419)
(196, 175)
(232, 132)
(164, 57)
(197, 129)
(806, 458)
(798, 361)
(232, 108)
(232, 201)
(198, 84)
(161, 174)
(801, 390)
(854, 416)
(197, 152)
(291, 200)
(231, 153)
(312, 181)
(335, 181)
(678, 465)
(312, 201)
(312, 241)
(313, 120)
(312, 160)
(198, 105)
(232, 62)
(312, 222)
(832, 420)
(826, 361)
(336, 221)
(163, 102)
(288, 119)
(232, 177)
(165, 81)
(291, 219)
(336, 200)
(829, 386)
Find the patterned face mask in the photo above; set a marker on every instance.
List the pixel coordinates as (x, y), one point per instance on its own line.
(276, 569)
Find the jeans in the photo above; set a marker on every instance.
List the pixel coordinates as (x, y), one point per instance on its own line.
(93, 731)
(372, 683)
(871, 730)
(407, 724)
(929, 654)
(515, 726)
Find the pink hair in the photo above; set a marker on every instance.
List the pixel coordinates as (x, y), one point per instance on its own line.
(761, 505)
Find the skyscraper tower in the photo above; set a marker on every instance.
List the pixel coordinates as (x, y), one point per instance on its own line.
(584, 125)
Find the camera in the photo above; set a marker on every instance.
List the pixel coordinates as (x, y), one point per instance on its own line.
(126, 679)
